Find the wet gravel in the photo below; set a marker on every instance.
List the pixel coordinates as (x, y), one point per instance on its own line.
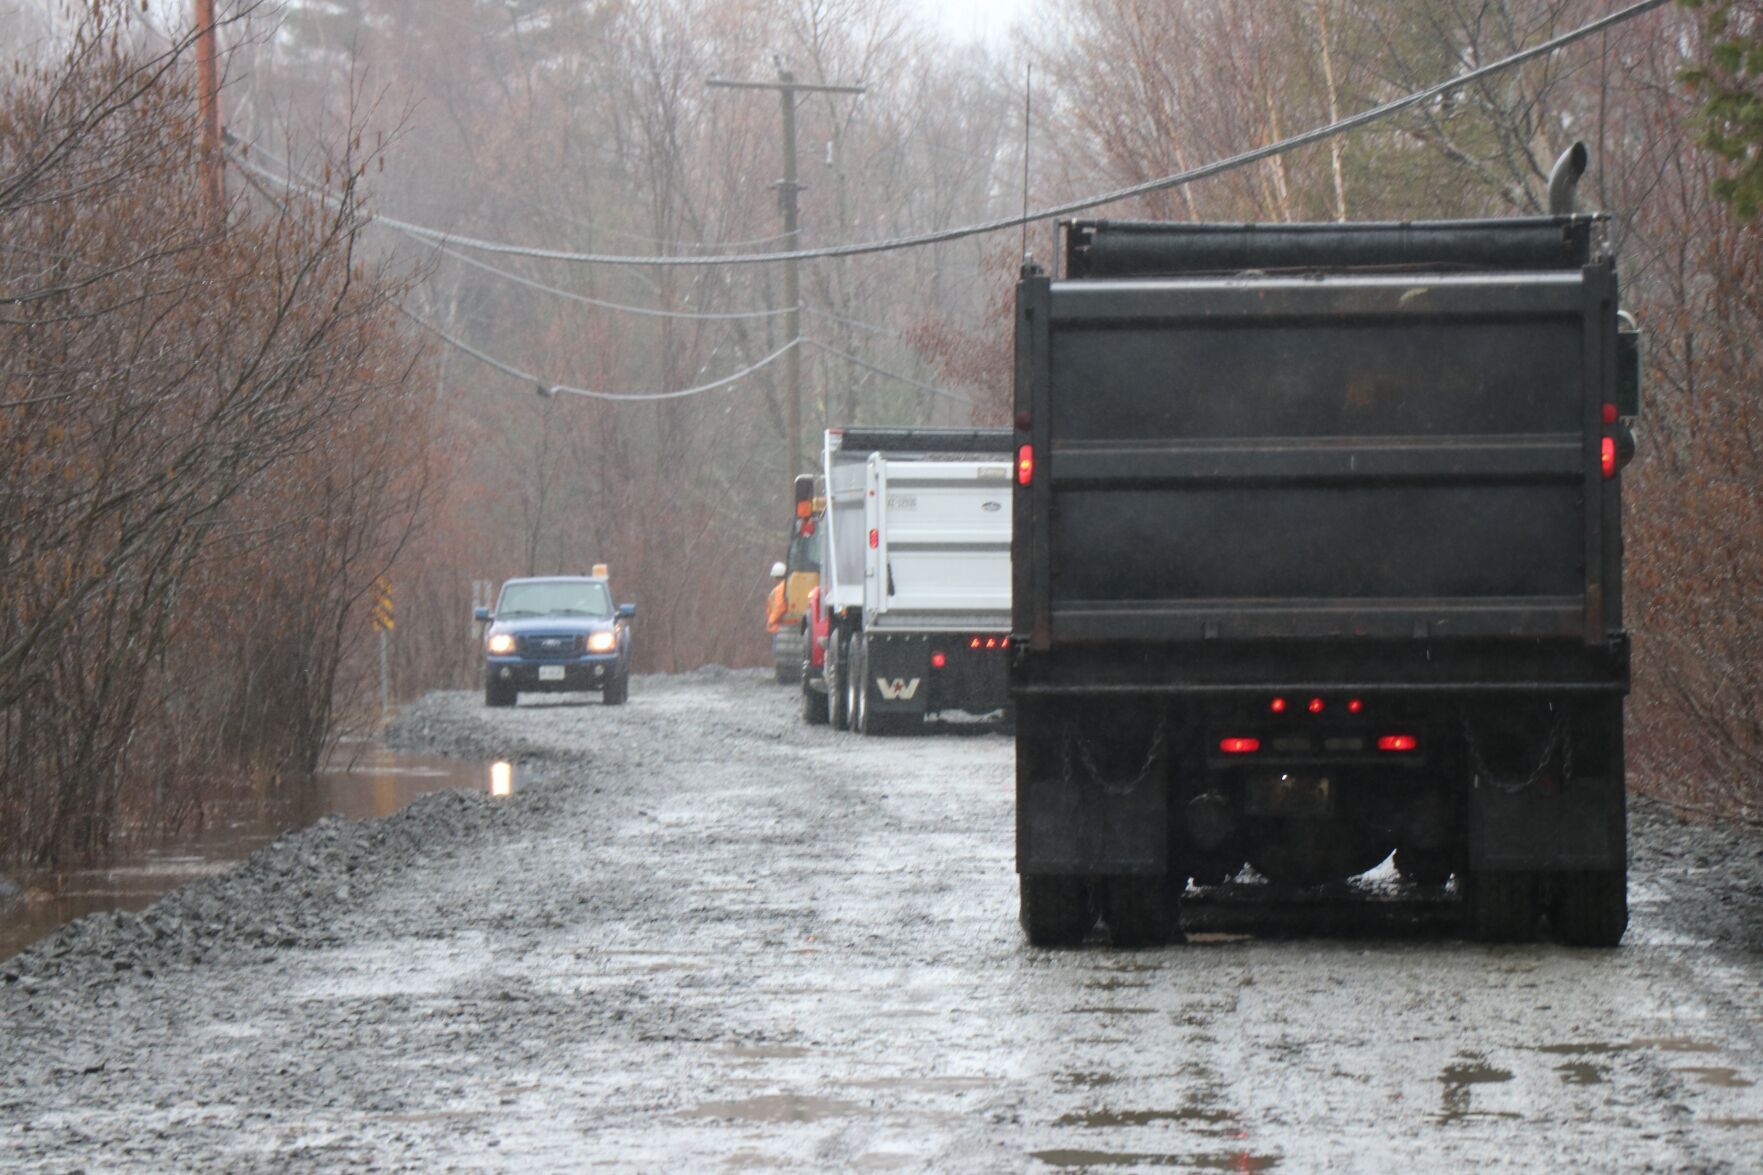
(704, 935)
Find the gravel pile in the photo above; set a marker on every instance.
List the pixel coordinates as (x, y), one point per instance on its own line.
(291, 893)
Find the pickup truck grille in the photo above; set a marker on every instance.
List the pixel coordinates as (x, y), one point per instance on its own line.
(542, 645)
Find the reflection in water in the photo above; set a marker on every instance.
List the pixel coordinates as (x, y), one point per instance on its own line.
(361, 780)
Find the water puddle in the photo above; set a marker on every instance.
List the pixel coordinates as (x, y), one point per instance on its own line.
(777, 1107)
(1113, 1119)
(1600, 1048)
(1581, 1073)
(766, 1052)
(1724, 1078)
(1455, 1103)
(1218, 1161)
(361, 780)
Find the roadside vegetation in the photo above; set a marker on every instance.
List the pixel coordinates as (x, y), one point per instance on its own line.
(213, 438)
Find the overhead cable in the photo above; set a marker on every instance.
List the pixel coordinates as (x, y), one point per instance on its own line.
(622, 308)
(868, 366)
(1206, 171)
(868, 326)
(550, 389)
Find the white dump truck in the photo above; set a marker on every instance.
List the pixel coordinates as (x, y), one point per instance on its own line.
(912, 616)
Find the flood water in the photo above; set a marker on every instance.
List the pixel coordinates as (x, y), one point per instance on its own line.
(361, 780)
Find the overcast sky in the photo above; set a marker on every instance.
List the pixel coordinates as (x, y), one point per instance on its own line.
(975, 19)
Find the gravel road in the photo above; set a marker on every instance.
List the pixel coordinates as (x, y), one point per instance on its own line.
(705, 936)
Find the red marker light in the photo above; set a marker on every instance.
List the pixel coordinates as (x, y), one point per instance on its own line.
(973, 643)
(1610, 414)
(938, 660)
(1025, 465)
(1239, 746)
(991, 642)
(874, 539)
(1355, 706)
(1278, 705)
(1315, 706)
(1607, 457)
(1397, 742)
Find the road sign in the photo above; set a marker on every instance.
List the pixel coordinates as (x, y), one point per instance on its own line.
(383, 618)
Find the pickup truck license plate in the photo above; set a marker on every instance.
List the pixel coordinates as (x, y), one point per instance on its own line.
(550, 673)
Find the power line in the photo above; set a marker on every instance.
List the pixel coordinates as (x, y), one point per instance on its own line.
(550, 389)
(646, 311)
(466, 258)
(889, 331)
(868, 366)
(1206, 171)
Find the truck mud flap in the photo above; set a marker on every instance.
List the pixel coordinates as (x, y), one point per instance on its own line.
(1565, 812)
(1092, 790)
(897, 674)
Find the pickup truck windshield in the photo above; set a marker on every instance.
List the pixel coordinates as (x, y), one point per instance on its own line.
(558, 598)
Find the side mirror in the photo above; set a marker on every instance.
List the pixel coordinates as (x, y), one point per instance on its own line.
(481, 615)
(626, 611)
(778, 570)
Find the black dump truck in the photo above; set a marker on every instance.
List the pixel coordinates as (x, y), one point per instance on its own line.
(1317, 557)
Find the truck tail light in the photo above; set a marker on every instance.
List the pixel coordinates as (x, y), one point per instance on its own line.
(1610, 413)
(938, 659)
(1315, 706)
(1398, 742)
(874, 539)
(1239, 746)
(1607, 457)
(1278, 705)
(1355, 706)
(1025, 465)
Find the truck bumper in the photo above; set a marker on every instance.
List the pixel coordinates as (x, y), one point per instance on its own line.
(584, 673)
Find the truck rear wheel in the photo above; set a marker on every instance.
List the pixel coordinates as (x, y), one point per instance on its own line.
(838, 669)
(1502, 907)
(1423, 866)
(857, 715)
(1055, 909)
(813, 701)
(1144, 911)
(1590, 909)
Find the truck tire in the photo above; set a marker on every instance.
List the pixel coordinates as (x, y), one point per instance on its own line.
(1590, 909)
(1421, 867)
(1055, 910)
(1502, 907)
(1144, 911)
(813, 701)
(499, 694)
(855, 672)
(618, 690)
(837, 672)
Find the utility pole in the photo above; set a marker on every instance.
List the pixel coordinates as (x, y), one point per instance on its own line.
(208, 104)
(788, 189)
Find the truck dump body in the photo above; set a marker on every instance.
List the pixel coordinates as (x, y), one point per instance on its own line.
(942, 555)
(1368, 455)
(1357, 464)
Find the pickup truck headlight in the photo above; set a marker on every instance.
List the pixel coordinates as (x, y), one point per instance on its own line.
(501, 643)
(603, 642)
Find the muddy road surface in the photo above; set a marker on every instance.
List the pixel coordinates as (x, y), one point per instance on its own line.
(703, 936)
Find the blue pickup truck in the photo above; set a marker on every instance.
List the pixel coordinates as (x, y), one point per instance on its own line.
(556, 634)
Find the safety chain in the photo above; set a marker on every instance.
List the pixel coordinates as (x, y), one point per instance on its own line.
(1068, 740)
(1479, 768)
